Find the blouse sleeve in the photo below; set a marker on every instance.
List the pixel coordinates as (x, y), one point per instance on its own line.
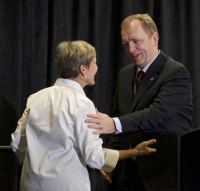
(19, 142)
(18, 138)
(90, 145)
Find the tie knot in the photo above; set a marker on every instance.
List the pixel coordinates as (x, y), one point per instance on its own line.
(139, 75)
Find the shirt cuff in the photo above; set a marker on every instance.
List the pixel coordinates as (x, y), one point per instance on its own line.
(117, 125)
(111, 159)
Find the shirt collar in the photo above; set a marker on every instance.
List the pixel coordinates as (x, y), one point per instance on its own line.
(146, 67)
(69, 83)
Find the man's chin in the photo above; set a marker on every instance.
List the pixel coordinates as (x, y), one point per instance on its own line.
(139, 64)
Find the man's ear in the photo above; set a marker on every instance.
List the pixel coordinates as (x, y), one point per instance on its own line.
(155, 39)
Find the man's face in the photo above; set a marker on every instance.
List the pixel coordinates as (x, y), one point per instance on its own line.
(138, 45)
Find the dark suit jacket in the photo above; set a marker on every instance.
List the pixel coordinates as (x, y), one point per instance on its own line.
(161, 109)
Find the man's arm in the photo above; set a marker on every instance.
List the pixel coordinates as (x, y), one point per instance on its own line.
(174, 93)
(173, 97)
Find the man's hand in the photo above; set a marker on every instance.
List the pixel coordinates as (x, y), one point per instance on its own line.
(101, 121)
(107, 176)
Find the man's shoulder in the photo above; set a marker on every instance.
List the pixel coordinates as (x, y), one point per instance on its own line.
(170, 67)
(172, 64)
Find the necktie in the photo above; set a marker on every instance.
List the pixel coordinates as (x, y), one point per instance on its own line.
(140, 74)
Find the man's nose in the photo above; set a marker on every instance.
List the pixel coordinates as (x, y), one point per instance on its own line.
(132, 47)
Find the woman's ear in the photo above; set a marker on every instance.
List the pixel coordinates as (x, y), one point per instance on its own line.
(82, 71)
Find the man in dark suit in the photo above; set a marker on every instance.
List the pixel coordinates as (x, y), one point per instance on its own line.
(153, 100)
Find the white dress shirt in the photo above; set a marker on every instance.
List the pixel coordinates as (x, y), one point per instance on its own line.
(54, 143)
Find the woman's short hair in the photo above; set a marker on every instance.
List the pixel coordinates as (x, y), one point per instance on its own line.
(147, 23)
(70, 55)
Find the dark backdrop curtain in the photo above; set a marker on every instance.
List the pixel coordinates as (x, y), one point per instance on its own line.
(30, 30)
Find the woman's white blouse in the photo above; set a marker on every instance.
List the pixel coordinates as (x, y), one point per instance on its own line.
(54, 143)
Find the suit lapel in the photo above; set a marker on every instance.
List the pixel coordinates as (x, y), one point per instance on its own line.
(149, 77)
(129, 85)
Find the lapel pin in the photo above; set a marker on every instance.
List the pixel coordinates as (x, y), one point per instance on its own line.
(152, 78)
